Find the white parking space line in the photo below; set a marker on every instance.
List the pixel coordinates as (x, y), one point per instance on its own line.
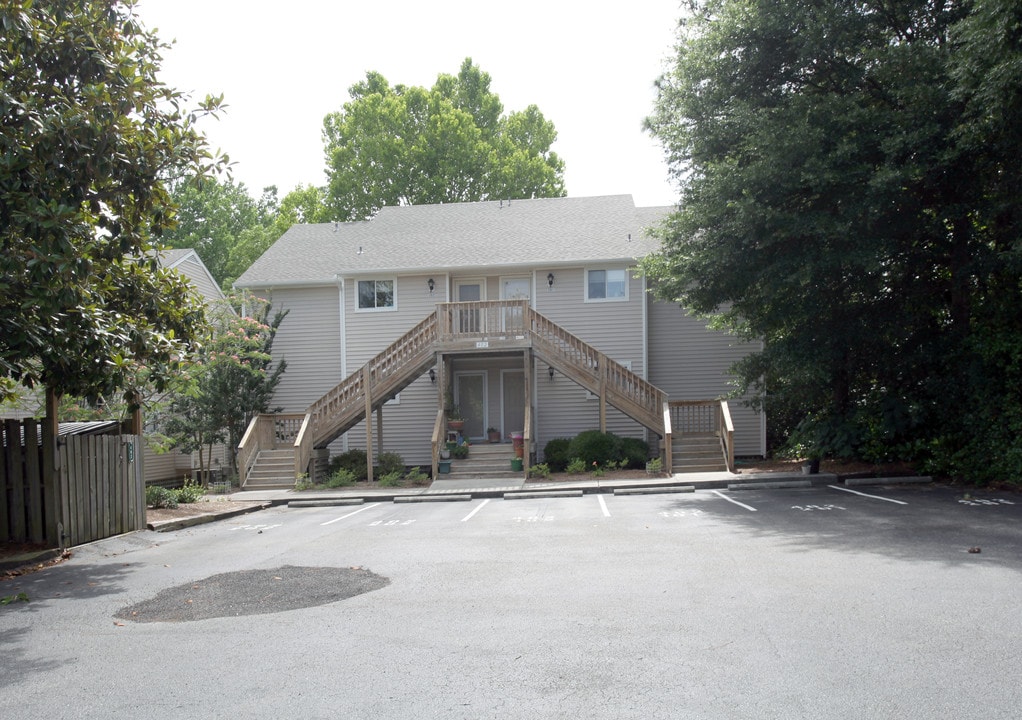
(732, 500)
(342, 517)
(478, 508)
(874, 497)
(603, 506)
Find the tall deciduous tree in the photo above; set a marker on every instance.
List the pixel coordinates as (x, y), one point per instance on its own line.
(452, 143)
(88, 136)
(828, 209)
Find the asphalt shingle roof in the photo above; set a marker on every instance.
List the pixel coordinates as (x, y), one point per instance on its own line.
(547, 231)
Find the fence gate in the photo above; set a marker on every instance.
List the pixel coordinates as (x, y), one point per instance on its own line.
(101, 486)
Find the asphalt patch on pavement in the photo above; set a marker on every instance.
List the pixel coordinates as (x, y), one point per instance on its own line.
(254, 592)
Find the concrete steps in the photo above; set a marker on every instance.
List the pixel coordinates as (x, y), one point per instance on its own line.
(484, 461)
(697, 452)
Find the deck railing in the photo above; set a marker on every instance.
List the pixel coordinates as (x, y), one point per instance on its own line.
(268, 432)
(705, 417)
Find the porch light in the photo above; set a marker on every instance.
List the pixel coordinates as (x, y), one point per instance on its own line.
(432, 376)
(551, 371)
(550, 280)
(431, 285)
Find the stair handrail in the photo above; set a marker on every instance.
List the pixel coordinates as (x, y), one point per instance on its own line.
(303, 446)
(348, 396)
(248, 448)
(527, 440)
(668, 461)
(587, 359)
(726, 428)
(438, 437)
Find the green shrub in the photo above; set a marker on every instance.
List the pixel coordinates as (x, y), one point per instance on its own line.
(160, 497)
(654, 466)
(391, 479)
(577, 466)
(190, 492)
(460, 452)
(416, 476)
(340, 478)
(594, 446)
(354, 461)
(634, 453)
(388, 463)
(557, 454)
(540, 470)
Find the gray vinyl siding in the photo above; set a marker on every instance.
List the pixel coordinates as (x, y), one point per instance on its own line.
(309, 339)
(613, 327)
(689, 361)
(408, 421)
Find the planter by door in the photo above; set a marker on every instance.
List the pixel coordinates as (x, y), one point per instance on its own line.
(455, 425)
(444, 467)
(518, 442)
(516, 464)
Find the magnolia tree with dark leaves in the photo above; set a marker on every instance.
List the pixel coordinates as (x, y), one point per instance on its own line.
(89, 136)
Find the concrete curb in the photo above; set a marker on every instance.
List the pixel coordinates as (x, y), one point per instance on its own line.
(432, 498)
(533, 494)
(851, 482)
(335, 502)
(29, 559)
(779, 485)
(665, 489)
(169, 525)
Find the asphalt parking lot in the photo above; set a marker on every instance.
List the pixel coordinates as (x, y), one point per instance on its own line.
(826, 602)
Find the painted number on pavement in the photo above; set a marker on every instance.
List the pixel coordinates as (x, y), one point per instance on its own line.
(810, 508)
(680, 513)
(256, 527)
(532, 519)
(982, 501)
(391, 522)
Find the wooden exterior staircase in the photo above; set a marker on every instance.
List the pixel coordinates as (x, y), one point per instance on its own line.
(465, 327)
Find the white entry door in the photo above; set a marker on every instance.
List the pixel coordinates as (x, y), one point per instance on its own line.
(515, 288)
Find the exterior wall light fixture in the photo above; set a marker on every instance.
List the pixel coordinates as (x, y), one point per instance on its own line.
(550, 280)
(431, 284)
(551, 371)
(432, 376)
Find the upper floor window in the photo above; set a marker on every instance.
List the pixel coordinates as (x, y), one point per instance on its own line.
(606, 285)
(375, 294)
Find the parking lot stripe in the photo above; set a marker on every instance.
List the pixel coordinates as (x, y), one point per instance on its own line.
(732, 500)
(477, 509)
(603, 506)
(367, 507)
(875, 497)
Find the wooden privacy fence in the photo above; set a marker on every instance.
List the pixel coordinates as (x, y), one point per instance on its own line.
(91, 488)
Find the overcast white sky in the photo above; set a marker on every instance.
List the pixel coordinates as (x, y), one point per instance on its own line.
(589, 67)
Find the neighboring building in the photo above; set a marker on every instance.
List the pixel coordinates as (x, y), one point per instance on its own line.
(172, 466)
(353, 289)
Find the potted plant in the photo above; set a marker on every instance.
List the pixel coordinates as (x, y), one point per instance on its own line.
(493, 434)
(455, 421)
(460, 452)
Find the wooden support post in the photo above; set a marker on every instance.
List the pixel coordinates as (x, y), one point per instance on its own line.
(530, 363)
(603, 393)
(368, 422)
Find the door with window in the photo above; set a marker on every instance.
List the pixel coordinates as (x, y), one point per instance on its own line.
(468, 320)
(470, 397)
(515, 288)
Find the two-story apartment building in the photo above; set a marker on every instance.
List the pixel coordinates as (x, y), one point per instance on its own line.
(527, 314)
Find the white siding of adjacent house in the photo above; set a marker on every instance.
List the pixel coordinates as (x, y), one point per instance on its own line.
(193, 269)
(689, 361)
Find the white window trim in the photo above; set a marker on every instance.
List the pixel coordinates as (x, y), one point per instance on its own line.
(480, 281)
(359, 309)
(585, 285)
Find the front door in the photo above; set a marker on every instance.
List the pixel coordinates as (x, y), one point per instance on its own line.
(512, 401)
(468, 318)
(470, 397)
(515, 288)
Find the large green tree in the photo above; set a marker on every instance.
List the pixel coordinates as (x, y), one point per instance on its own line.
(406, 145)
(89, 134)
(827, 209)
